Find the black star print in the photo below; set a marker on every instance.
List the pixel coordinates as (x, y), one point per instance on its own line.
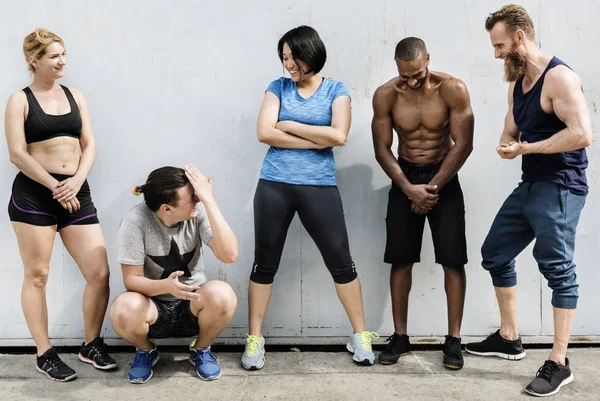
(174, 261)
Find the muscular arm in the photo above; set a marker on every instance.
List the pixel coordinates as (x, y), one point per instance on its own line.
(334, 135)
(86, 140)
(268, 134)
(14, 123)
(510, 132)
(381, 128)
(456, 95)
(568, 103)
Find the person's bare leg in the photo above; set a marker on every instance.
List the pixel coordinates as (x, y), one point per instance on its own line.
(35, 246)
(350, 295)
(563, 321)
(214, 310)
(400, 285)
(259, 296)
(85, 243)
(507, 302)
(455, 284)
(131, 315)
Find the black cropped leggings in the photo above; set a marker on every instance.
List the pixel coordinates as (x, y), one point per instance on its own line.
(321, 212)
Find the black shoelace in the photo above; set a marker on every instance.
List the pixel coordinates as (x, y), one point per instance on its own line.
(55, 361)
(453, 346)
(395, 343)
(100, 348)
(547, 371)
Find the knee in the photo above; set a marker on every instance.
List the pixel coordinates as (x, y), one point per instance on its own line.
(99, 276)
(37, 277)
(263, 274)
(487, 255)
(458, 270)
(343, 274)
(219, 297)
(126, 309)
(560, 277)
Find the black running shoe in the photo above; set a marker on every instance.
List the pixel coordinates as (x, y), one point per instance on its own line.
(95, 353)
(453, 358)
(53, 367)
(496, 345)
(398, 346)
(549, 379)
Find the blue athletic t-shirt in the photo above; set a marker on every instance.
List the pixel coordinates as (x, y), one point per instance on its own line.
(303, 166)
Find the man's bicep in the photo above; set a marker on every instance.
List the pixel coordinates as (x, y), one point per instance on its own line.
(381, 125)
(569, 103)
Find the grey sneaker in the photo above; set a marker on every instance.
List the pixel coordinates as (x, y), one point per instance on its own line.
(254, 354)
(360, 346)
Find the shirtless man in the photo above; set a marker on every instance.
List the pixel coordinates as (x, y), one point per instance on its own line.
(431, 112)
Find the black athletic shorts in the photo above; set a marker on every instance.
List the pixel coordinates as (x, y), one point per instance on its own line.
(32, 203)
(446, 220)
(175, 320)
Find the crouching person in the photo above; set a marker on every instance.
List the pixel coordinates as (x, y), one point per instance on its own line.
(161, 251)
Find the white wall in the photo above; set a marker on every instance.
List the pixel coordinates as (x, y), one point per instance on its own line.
(182, 81)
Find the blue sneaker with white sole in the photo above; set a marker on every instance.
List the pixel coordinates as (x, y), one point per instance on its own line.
(141, 369)
(205, 362)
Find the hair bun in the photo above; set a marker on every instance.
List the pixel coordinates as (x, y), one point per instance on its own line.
(138, 190)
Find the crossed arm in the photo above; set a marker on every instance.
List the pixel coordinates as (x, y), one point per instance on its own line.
(294, 135)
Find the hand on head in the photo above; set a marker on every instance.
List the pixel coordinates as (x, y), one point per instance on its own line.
(202, 185)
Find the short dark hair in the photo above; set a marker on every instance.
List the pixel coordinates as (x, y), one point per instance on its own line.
(161, 187)
(410, 48)
(306, 46)
(514, 17)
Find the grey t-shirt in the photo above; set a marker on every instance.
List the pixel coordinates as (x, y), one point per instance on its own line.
(145, 240)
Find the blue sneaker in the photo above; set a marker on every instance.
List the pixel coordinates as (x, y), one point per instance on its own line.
(141, 369)
(205, 362)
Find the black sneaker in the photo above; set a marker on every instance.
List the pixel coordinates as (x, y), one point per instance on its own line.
(453, 358)
(549, 379)
(496, 345)
(53, 367)
(95, 353)
(398, 346)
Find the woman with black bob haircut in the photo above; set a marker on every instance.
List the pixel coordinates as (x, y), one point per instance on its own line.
(302, 118)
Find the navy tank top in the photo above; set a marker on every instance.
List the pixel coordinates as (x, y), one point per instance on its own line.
(566, 168)
(40, 126)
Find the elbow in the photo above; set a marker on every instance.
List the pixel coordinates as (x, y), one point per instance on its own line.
(379, 156)
(229, 255)
(263, 134)
(337, 141)
(586, 140)
(16, 158)
(127, 284)
(339, 138)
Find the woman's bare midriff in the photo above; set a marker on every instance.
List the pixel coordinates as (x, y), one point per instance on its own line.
(57, 155)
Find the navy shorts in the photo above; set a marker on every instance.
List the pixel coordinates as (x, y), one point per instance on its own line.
(32, 203)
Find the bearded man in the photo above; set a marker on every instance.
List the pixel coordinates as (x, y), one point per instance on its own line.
(548, 122)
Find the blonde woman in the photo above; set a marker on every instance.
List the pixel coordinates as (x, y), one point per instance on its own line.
(51, 141)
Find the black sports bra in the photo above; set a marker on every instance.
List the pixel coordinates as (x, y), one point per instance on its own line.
(40, 126)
